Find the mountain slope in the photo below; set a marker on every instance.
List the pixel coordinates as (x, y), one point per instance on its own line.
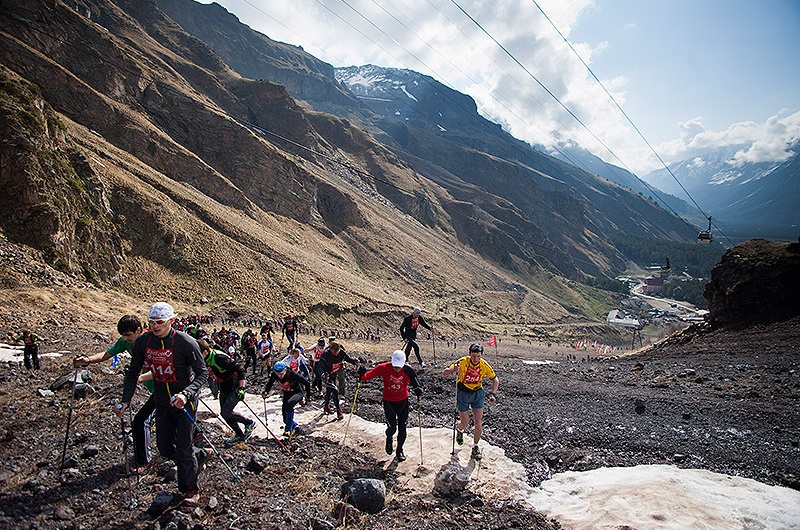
(390, 98)
(223, 186)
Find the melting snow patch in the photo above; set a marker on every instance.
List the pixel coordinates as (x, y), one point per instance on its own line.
(548, 361)
(664, 497)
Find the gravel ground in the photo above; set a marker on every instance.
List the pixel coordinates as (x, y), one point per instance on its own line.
(726, 401)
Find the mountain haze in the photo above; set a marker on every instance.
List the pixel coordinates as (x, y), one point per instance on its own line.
(143, 159)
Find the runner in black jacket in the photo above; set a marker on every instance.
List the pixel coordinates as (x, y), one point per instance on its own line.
(408, 332)
(178, 375)
(292, 384)
(328, 367)
(230, 377)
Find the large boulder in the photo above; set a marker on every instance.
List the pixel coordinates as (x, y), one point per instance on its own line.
(756, 281)
(366, 494)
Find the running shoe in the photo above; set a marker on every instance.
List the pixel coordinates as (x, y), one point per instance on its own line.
(476, 452)
(250, 427)
(389, 446)
(235, 439)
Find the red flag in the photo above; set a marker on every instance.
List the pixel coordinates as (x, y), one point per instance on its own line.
(492, 341)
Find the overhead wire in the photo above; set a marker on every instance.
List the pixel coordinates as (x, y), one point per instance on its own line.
(575, 162)
(565, 155)
(630, 121)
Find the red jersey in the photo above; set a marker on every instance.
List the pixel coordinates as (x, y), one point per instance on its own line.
(395, 384)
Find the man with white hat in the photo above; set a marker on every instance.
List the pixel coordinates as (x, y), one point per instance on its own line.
(179, 372)
(396, 376)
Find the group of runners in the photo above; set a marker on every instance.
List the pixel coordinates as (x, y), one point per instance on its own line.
(174, 366)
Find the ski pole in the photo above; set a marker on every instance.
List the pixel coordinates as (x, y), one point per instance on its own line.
(217, 416)
(265, 424)
(234, 476)
(69, 420)
(352, 408)
(419, 422)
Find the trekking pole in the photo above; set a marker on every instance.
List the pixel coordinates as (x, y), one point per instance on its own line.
(352, 408)
(264, 423)
(131, 503)
(217, 417)
(455, 421)
(69, 420)
(234, 476)
(124, 443)
(419, 422)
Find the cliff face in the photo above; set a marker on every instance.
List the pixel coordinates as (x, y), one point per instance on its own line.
(52, 199)
(756, 281)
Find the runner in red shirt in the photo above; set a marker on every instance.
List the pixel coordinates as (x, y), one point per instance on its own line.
(396, 378)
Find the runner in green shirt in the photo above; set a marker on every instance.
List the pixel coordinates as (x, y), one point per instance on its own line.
(130, 327)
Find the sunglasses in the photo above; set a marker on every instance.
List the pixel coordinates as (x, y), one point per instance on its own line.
(160, 321)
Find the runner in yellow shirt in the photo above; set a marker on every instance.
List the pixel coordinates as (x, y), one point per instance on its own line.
(471, 370)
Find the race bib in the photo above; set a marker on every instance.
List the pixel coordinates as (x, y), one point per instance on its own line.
(162, 364)
(473, 375)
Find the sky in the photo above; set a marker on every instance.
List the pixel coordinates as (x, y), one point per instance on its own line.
(690, 75)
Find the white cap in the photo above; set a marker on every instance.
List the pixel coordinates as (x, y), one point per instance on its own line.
(398, 358)
(161, 311)
(231, 349)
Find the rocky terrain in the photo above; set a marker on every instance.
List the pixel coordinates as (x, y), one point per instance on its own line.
(718, 398)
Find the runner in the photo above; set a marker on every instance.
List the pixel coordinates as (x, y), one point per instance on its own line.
(297, 362)
(314, 354)
(471, 370)
(289, 329)
(230, 378)
(264, 348)
(130, 328)
(178, 373)
(408, 332)
(328, 367)
(249, 343)
(396, 376)
(292, 385)
(31, 349)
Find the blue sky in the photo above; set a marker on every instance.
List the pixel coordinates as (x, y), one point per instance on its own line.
(691, 75)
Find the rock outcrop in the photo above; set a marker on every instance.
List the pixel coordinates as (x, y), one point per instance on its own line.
(756, 281)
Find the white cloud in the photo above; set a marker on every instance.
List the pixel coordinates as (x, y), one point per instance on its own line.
(437, 39)
(770, 141)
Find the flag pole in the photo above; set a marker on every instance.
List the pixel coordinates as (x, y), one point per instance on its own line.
(496, 356)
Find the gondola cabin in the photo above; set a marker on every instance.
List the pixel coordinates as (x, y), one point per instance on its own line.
(705, 236)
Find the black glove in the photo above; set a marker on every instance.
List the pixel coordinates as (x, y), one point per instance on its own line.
(418, 391)
(361, 371)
